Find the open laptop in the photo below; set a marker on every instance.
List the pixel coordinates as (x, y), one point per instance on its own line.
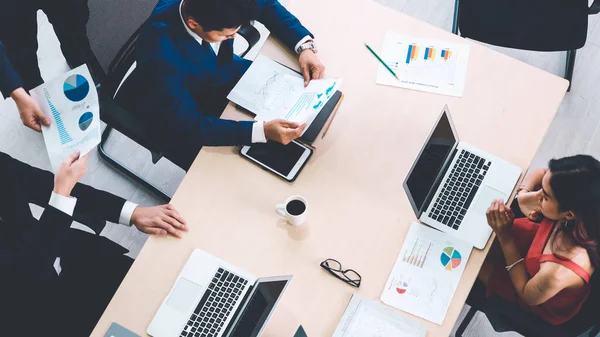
(212, 298)
(451, 184)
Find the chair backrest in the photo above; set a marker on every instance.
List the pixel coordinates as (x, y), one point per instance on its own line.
(111, 31)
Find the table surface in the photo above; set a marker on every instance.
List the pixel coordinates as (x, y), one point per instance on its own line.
(358, 212)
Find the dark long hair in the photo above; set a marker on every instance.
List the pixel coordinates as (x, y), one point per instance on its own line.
(575, 182)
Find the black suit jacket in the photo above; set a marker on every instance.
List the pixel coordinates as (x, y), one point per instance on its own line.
(31, 293)
(9, 79)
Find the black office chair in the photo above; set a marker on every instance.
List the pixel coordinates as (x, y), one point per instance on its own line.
(111, 33)
(540, 25)
(506, 316)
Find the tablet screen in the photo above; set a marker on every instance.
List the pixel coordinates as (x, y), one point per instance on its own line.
(279, 157)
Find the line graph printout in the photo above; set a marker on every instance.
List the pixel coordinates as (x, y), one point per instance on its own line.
(422, 64)
(71, 103)
(426, 273)
(271, 91)
(365, 318)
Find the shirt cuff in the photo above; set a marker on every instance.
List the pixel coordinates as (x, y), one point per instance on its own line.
(258, 132)
(126, 213)
(62, 203)
(306, 38)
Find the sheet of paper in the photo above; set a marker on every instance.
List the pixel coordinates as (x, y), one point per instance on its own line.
(265, 90)
(365, 318)
(71, 103)
(423, 64)
(272, 91)
(426, 273)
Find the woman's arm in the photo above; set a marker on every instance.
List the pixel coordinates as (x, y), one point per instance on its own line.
(533, 179)
(533, 291)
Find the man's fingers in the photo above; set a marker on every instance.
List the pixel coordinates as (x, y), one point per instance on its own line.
(287, 124)
(173, 221)
(317, 73)
(34, 125)
(72, 158)
(155, 231)
(168, 227)
(306, 74)
(175, 215)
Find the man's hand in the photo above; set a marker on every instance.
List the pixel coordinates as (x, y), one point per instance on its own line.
(311, 66)
(159, 220)
(69, 173)
(283, 131)
(31, 113)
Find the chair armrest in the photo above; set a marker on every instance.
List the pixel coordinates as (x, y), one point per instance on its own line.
(251, 35)
(595, 7)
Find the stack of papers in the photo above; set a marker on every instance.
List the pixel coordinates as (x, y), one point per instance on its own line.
(71, 103)
(365, 318)
(426, 273)
(273, 91)
(422, 64)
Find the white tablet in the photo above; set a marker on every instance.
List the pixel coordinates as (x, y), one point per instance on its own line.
(285, 161)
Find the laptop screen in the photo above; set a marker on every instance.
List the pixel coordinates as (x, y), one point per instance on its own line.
(259, 308)
(429, 163)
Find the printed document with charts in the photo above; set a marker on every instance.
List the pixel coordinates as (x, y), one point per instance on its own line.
(423, 64)
(71, 103)
(273, 91)
(426, 273)
(365, 318)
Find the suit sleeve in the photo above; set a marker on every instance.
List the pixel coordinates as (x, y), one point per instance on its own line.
(37, 185)
(33, 252)
(173, 106)
(283, 24)
(9, 79)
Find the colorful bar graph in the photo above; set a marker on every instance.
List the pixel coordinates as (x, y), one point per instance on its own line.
(412, 54)
(417, 255)
(446, 54)
(429, 54)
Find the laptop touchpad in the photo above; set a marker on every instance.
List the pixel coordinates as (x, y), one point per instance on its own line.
(184, 296)
(486, 196)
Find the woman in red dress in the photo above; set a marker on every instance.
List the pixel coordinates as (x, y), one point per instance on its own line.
(546, 265)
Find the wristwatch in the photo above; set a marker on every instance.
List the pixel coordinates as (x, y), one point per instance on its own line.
(310, 44)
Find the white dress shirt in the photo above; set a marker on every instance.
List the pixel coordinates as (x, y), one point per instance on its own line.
(67, 206)
(258, 129)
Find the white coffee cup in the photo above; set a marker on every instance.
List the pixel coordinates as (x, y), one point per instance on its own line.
(294, 210)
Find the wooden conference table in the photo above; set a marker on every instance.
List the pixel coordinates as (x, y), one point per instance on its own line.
(358, 212)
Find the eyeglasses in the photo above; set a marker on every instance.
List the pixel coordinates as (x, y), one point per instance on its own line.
(349, 276)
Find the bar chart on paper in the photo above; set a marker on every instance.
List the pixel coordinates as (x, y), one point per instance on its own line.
(426, 65)
(418, 254)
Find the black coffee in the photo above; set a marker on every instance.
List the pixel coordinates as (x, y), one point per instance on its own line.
(295, 207)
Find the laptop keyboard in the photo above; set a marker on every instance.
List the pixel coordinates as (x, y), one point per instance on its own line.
(461, 186)
(215, 306)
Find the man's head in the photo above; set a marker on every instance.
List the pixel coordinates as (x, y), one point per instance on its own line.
(218, 20)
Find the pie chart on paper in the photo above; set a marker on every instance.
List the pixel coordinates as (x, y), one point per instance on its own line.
(86, 120)
(450, 258)
(401, 287)
(76, 87)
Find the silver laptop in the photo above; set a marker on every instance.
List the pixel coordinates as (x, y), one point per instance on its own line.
(212, 298)
(451, 184)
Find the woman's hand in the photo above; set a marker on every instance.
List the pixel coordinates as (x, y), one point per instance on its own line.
(530, 204)
(159, 220)
(500, 218)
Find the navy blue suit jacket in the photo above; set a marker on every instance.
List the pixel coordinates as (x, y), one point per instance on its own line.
(174, 75)
(9, 79)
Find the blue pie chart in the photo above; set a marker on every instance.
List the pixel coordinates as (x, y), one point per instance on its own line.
(86, 120)
(76, 87)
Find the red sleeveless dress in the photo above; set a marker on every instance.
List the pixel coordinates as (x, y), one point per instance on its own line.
(531, 238)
